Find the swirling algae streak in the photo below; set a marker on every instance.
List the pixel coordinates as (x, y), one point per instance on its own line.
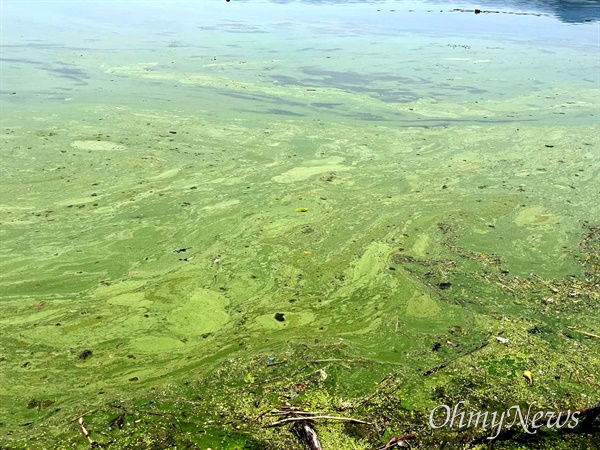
(304, 173)
(156, 72)
(202, 312)
(410, 297)
(97, 145)
(312, 168)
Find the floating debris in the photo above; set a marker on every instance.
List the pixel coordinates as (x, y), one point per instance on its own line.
(279, 317)
(39, 404)
(85, 354)
(322, 374)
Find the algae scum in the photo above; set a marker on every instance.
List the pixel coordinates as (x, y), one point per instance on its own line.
(215, 216)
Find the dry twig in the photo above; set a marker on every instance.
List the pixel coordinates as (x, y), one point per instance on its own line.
(297, 419)
(85, 432)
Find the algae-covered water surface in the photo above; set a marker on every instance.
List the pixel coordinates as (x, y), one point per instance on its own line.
(220, 218)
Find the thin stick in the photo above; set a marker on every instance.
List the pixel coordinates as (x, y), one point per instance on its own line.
(316, 361)
(82, 415)
(441, 366)
(307, 434)
(385, 380)
(256, 419)
(277, 363)
(398, 440)
(297, 419)
(301, 413)
(85, 432)
(584, 332)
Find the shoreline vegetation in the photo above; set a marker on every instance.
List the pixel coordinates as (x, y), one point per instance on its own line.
(325, 387)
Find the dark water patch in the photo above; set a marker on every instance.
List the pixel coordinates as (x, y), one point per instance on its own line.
(285, 80)
(21, 61)
(279, 112)
(316, 49)
(350, 77)
(325, 105)
(469, 89)
(239, 27)
(32, 45)
(362, 83)
(366, 117)
(49, 46)
(179, 44)
(387, 95)
(398, 97)
(570, 11)
(260, 97)
(431, 123)
(65, 71)
(69, 73)
(283, 112)
(256, 31)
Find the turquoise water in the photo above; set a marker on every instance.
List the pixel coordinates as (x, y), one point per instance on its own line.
(393, 52)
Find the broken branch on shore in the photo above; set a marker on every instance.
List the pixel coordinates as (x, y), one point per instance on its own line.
(584, 332)
(441, 366)
(82, 415)
(85, 432)
(306, 433)
(298, 419)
